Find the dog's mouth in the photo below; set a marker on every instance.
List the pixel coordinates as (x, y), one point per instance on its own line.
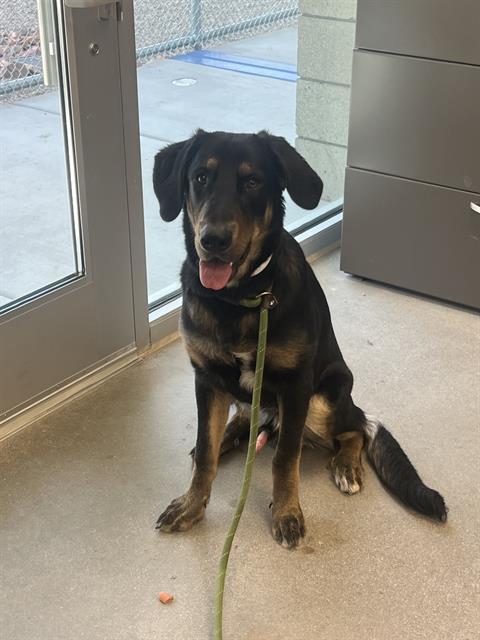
(215, 274)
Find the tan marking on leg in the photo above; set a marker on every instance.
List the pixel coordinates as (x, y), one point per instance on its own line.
(318, 423)
(185, 511)
(286, 481)
(237, 428)
(288, 523)
(204, 476)
(216, 426)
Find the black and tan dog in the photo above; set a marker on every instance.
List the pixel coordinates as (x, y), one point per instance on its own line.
(230, 187)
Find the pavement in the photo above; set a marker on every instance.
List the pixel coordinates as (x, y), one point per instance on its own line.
(81, 489)
(249, 87)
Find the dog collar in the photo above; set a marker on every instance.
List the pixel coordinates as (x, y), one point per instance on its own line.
(266, 297)
(263, 266)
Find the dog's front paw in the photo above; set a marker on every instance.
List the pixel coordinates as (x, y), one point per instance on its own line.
(288, 527)
(182, 513)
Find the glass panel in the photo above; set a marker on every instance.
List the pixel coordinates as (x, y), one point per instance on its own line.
(216, 64)
(39, 237)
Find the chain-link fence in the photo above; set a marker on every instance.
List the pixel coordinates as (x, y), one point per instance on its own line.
(20, 57)
(162, 28)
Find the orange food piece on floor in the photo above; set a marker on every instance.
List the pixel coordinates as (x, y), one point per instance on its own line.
(165, 598)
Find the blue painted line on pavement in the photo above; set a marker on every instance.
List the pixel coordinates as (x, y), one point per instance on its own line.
(255, 62)
(240, 64)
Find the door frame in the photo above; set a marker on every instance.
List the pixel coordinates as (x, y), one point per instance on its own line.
(66, 340)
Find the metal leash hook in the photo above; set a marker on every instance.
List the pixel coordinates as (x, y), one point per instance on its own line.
(269, 301)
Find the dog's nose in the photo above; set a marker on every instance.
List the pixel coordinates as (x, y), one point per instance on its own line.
(215, 240)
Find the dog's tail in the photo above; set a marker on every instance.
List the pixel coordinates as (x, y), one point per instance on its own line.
(397, 472)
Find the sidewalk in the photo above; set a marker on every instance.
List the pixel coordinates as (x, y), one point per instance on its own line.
(246, 85)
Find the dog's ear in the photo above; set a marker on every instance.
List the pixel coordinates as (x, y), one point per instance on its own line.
(302, 183)
(169, 175)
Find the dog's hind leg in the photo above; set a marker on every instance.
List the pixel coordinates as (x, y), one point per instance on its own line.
(346, 465)
(238, 428)
(345, 427)
(323, 420)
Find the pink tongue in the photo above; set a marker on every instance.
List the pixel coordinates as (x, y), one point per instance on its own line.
(214, 274)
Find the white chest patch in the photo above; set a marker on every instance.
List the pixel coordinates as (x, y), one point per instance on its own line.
(247, 370)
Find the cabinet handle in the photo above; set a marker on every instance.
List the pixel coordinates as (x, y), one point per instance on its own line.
(475, 207)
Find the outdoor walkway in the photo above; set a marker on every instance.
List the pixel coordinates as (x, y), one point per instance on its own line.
(246, 85)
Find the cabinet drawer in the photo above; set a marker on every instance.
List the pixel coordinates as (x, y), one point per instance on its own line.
(412, 235)
(416, 119)
(441, 29)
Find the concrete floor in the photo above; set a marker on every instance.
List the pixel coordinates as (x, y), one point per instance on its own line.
(81, 491)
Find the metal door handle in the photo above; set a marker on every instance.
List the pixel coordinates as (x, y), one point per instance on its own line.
(48, 49)
(104, 7)
(475, 207)
(87, 4)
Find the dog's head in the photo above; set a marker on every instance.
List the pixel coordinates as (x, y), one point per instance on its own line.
(230, 187)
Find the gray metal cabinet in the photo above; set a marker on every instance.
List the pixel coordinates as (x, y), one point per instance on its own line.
(412, 187)
(438, 29)
(428, 233)
(416, 118)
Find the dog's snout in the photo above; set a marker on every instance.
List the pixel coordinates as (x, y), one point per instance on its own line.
(215, 240)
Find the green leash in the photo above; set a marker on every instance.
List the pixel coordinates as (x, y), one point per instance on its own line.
(267, 301)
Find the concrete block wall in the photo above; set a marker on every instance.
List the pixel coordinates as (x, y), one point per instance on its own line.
(326, 38)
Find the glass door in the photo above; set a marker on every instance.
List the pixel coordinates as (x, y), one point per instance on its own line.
(72, 280)
(41, 243)
(226, 65)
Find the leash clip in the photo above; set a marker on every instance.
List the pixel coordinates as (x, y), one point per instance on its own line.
(268, 300)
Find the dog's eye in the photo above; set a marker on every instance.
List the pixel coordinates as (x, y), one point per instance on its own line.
(201, 178)
(252, 182)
